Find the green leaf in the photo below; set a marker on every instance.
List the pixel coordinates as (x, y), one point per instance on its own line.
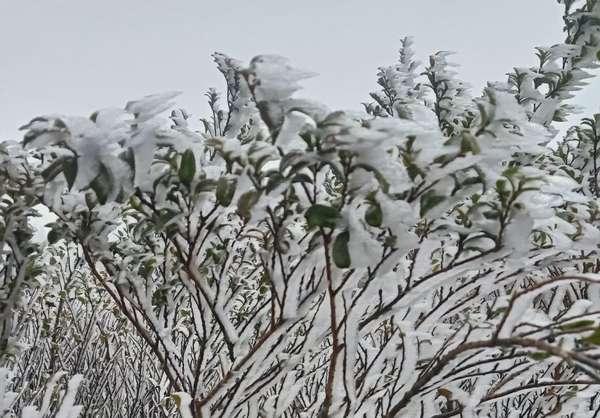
(70, 170)
(135, 203)
(446, 158)
(102, 185)
(274, 180)
(187, 169)
(469, 143)
(54, 236)
(90, 201)
(322, 216)
(501, 186)
(121, 197)
(147, 267)
(205, 185)
(159, 297)
(246, 202)
(430, 200)
(593, 339)
(511, 171)
(225, 191)
(539, 356)
(53, 170)
(339, 252)
(492, 214)
(577, 324)
(302, 178)
(265, 280)
(559, 116)
(374, 215)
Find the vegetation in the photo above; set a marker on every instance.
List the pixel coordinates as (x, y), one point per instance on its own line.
(432, 257)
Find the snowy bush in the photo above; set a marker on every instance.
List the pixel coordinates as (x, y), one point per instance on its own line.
(432, 256)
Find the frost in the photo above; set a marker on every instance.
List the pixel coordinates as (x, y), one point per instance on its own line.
(430, 256)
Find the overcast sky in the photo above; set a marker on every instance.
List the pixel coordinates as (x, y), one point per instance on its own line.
(75, 56)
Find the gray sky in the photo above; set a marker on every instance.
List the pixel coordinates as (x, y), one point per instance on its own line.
(75, 56)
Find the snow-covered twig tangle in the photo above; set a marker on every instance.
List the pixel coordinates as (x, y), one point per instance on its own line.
(429, 257)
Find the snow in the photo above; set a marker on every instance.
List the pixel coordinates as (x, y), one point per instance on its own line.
(167, 289)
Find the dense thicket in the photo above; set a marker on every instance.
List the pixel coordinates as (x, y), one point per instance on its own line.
(433, 256)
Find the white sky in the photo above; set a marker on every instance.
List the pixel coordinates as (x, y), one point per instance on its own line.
(75, 56)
